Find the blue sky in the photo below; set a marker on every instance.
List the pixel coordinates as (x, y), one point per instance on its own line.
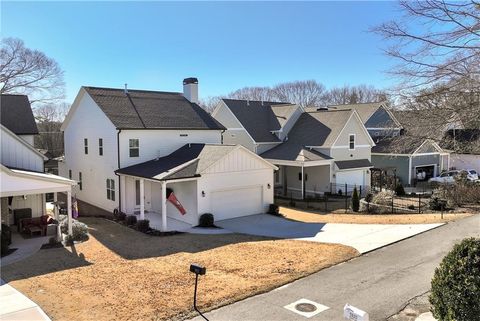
(227, 45)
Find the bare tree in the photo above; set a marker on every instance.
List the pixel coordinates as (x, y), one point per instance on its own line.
(253, 93)
(209, 103)
(49, 119)
(353, 95)
(305, 93)
(29, 72)
(436, 42)
(437, 48)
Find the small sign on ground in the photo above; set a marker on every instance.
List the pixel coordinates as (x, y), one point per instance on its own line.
(355, 314)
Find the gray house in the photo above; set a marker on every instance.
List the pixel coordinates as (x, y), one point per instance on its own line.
(410, 161)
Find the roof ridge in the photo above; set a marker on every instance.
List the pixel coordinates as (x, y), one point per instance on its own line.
(136, 90)
(260, 101)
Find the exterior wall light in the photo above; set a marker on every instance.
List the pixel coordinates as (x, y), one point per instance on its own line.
(203, 193)
(269, 186)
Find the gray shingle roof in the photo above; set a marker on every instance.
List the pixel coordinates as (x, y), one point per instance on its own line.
(354, 163)
(200, 156)
(259, 118)
(151, 109)
(463, 141)
(396, 145)
(16, 114)
(318, 129)
(373, 115)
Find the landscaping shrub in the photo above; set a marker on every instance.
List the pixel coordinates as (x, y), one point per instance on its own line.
(79, 229)
(455, 292)
(206, 220)
(411, 207)
(340, 192)
(143, 225)
(399, 190)
(273, 209)
(121, 216)
(383, 198)
(355, 200)
(131, 220)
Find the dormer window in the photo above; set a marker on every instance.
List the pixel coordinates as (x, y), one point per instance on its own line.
(85, 145)
(351, 141)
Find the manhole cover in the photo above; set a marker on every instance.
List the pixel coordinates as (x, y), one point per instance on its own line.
(305, 307)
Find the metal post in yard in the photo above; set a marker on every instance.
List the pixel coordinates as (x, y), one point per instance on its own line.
(346, 198)
(326, 200)
(393, 197)
(360, 191)
(419, 211)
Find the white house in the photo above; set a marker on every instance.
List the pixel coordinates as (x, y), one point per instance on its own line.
(121, 145)
(317, 151)
(22, 178)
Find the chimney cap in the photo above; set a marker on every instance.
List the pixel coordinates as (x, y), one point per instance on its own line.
(191, 80)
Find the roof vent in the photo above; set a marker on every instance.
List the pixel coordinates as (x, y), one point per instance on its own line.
(262, 102)
(248, 102)
(125, 90)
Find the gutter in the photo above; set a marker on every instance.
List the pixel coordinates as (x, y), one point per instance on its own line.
(115, 172)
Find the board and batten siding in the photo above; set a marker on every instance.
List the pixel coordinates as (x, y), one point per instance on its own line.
(90, 122)
(19, 154)
(162, 142)
(398, 162)
(229, 173)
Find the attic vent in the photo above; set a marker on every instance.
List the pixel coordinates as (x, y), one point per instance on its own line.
(183, 135)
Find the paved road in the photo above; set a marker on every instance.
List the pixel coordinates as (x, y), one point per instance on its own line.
(380, 282)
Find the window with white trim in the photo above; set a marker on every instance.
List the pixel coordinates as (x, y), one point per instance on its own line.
(351, 140)
(111, 189)
(85, 145)
(134, 147)
(100, 146)
(70, 174)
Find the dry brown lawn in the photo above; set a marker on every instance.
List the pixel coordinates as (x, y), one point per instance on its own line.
(121, 274)
(312, 216)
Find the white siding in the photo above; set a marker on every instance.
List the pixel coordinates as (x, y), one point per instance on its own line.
(33, 201)
(90, 122)
(28, 138)
(237, 161)
(158, 143)
(16, 153)
(239, 137)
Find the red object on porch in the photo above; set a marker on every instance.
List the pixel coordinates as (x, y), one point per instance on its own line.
(173, 199)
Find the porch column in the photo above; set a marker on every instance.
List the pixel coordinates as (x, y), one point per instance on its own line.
(164, 206)
(69, 212)
(123, 191)
(44, 204)
(409, 170)
(55, 213)
(142, 199)
(303, 184)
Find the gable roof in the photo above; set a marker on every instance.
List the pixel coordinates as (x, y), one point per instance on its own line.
(16, 115)
(260, 118)
(402, 145)
(318, 129)
(373, 115)
(186, 162)
(151, 109)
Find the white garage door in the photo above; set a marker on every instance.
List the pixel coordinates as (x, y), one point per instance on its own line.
(350, 177)
(237, 202)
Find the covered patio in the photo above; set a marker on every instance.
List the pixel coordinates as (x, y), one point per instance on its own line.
(25, 185)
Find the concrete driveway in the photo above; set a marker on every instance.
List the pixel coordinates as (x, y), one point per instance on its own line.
(363, 237)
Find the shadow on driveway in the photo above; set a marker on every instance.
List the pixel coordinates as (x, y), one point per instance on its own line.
(271, 226)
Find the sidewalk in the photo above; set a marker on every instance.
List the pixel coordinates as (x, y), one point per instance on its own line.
(14, 306)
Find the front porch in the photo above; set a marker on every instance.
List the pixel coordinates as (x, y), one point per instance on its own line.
(147, 199)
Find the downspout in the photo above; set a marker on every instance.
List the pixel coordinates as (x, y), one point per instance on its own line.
(221, 141)
(118, 165)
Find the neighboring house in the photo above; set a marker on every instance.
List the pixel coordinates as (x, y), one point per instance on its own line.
(464, 145)
(51, 164)
(411, 161)
(257, 125)
(325, 151)
(316, 151)
(123, 145)
(23, 181)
